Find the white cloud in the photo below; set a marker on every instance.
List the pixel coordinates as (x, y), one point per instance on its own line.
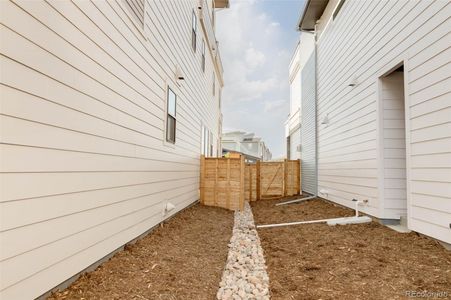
(275, 105)
(255, 58)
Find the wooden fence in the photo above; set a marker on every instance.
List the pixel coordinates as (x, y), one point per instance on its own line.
(222, 182)
(228, 182)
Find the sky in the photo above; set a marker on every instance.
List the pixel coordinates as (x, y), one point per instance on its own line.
(257, 39)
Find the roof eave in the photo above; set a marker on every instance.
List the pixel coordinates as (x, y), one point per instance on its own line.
(313, 9)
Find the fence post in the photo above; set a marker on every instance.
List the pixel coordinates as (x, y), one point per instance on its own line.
(298, 177)
(216, 182)
(249, 167)
(228, 185)
(242, 169)
(257, 175)
(285, 177)
(202, 179)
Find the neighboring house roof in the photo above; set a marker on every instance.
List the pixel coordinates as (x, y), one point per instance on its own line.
(313, 10)
(243, 153)
(246, 142)
(222, 4)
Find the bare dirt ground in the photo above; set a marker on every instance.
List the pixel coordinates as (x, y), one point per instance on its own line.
(364, 261)
(184, 259)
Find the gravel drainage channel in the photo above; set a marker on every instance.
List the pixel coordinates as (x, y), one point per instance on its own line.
(245, 274)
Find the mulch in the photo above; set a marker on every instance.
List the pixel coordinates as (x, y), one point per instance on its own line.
(364, 261)
(183, 259)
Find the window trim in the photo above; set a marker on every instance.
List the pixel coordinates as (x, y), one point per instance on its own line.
(194, 31)
(207, 144)
(141, 28)
(169, 115)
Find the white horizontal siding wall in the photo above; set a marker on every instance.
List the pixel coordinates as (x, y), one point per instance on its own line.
(295, 141)
(295, 93)
(367, 39)
(308, 129)
(84, 164)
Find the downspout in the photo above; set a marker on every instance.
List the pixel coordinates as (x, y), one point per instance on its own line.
(316, 110)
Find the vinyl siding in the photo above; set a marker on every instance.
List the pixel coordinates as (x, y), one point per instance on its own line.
(308, 129)
(295, 93)
(295, 141)
(136, 8)
(393, 145)
(366, 40)
(85, 167)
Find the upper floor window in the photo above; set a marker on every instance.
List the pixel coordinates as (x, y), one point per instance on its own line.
(136, 9)
(194, 30)
(203, 55)
(171, 116)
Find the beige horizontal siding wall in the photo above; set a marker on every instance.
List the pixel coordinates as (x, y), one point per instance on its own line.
(392, 146)
(84, 164)
(367, 39)
(295, 141)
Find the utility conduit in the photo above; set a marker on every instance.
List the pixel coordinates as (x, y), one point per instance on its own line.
(330, 222)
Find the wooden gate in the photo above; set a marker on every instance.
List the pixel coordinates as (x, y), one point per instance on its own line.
(278, 179)
(267, 180)
(271, 180)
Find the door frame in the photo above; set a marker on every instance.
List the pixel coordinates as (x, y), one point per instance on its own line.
(391, 67)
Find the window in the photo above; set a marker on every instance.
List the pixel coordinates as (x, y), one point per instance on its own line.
(206, 142)
(170, 118)
(214, 84)
(194, 31)
(202, 140)
(211, 144)
(136, 10)
(203, 55)
(288, 147)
